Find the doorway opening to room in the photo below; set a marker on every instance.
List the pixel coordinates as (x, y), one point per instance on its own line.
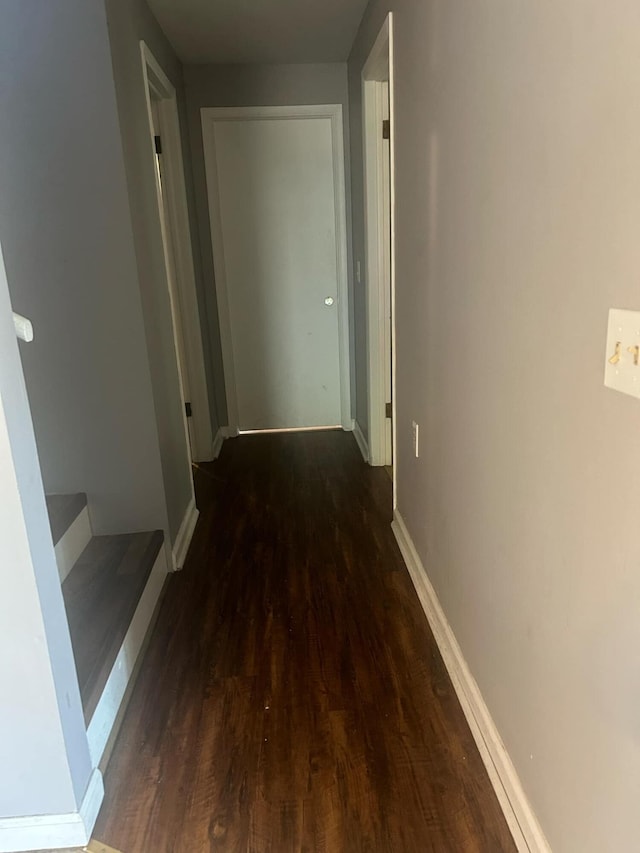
(377, 102)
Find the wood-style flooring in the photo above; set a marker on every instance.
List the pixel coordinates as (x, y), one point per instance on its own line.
(293, 698)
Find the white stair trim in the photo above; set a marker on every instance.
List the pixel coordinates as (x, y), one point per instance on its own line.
(183, 539)
(361, 441)
(527, 832)
(72, 543)
(58, 831)
(218, 441)
(106, 712)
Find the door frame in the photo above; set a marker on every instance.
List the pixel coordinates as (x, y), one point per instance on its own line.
(182, 287)
(211, 115)
(377, 70)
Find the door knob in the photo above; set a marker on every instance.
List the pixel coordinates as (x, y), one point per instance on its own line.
(328, 301)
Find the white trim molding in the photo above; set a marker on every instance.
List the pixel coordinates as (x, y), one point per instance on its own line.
(92, 801)
(218, 441)
(72, 543)
(47, 832)
(527, 833)
(185, 534)
(380, 270)
(185, 299)
(361, 441)
(106, 713)
(211, 115)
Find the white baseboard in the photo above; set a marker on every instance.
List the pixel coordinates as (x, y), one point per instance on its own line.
(54, 832)
(524, 826)
(183, 539)
(92, 801)
(218, 441)
(229, 432)
(106, 711)
(72, 543)
(361, 441)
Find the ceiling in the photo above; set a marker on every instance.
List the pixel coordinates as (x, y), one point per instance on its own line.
(265, 31)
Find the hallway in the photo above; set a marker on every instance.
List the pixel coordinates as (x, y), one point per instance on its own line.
(292, 697)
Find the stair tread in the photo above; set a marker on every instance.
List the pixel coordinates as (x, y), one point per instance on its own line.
(101, 594)
(63, 511)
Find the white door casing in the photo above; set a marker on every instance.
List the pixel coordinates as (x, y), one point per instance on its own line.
(185, 312)
(379, 197)
(275, 179)
(386, 273)
(172, 274)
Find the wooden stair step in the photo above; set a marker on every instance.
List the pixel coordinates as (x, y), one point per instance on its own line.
(101, 594)
(63, 511)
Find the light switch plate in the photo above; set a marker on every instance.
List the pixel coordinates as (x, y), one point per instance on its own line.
(621, 367)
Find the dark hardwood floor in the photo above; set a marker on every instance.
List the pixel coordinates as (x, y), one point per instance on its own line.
(293, 698)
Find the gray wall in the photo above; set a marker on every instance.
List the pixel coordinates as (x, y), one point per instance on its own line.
(128, 24)
(518, 203)
(66, 231)
(255, 85)
(44, 754)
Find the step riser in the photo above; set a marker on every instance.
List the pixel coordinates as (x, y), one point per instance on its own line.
(73, 543)
(106, 712)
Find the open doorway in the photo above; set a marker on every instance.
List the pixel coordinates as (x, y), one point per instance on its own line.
(166, 149)
(377, 100)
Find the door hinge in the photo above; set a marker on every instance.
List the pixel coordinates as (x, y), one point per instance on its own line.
(386, 129)
(387, 410)
(158, 143)
(187, 408)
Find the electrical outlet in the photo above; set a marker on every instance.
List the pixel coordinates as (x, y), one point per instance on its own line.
(416, 438)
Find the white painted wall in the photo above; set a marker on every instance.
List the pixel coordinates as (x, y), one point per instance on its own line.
(254, 86)
(44, 756)
(518, 203)
(69, 252)
(271, 31)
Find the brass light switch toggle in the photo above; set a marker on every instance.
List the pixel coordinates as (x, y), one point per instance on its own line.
(635, 351)
(615, 358)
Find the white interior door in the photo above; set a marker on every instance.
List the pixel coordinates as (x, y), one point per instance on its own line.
(170, 266)
(386, 270)
(275, 194)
